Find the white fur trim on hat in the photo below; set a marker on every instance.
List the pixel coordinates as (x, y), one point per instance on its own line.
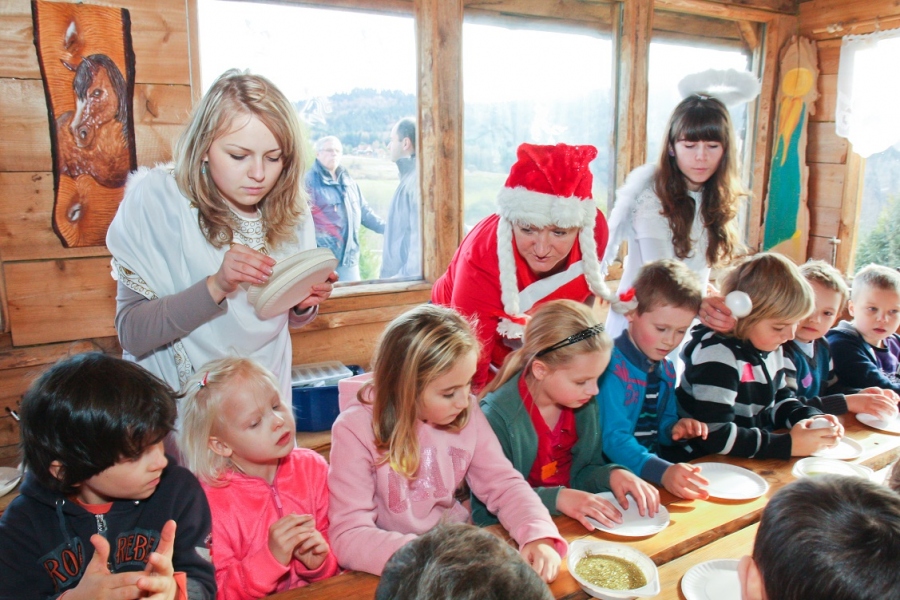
(509, 285)
(523, 206)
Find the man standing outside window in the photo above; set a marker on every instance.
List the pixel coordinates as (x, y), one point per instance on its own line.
(338, 208)
(402, 255)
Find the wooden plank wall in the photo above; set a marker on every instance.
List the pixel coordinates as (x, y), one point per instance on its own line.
(55, 301)
(835, 171)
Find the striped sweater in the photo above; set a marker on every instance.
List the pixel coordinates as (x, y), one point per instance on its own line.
(741, 393)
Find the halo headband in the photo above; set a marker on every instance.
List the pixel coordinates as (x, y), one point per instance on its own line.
(730, 86)
(573, 339)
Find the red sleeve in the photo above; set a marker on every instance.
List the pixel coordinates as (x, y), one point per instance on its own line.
(471, 285)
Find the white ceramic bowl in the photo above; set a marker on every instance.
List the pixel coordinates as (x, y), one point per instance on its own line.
(581, 548)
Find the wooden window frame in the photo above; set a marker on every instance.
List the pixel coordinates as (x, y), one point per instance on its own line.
(440, 114)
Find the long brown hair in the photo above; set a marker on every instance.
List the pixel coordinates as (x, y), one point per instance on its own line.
(416, 348)
(233, 96)
(701, 118)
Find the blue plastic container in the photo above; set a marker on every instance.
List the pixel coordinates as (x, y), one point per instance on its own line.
(316, 408)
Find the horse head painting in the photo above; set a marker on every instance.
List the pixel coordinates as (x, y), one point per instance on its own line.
(93, 139)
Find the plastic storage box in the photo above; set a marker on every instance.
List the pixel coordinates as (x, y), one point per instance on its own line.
(316, 407)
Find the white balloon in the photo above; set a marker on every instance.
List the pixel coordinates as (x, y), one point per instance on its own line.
(739, 303)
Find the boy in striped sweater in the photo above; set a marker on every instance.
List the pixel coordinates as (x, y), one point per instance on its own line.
(735, 382)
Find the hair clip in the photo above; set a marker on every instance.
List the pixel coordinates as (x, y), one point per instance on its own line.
(203, 382)
(573, 339)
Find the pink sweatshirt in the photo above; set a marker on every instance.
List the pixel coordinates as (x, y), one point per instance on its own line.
(374, 511)
(245, 508)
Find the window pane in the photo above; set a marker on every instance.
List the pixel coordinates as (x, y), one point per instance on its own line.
(351, 75)
(669, 63)
(878, 226)
(531, 84)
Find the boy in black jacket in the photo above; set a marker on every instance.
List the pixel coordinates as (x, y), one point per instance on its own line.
(97, 512)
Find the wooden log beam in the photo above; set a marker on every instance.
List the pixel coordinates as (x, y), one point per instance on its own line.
(439, 37)
(632, 68)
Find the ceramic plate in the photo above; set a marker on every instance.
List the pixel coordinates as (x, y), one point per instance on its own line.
(9, 478)
(728, 482)
(847, 449)
(633, 524)
(291, 281)
(892, 425)
(712, 580)
(815, 465)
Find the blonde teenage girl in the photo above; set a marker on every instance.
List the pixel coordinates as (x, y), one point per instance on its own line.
(736, 382)
(400, 452)
(190, 237)
(268, 499)
(542, 405)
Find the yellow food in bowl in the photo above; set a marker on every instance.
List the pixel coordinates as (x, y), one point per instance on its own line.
(610, 572)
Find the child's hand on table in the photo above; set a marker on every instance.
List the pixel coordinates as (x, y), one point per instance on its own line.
(623, 482)
(543, 558)
(579, 504)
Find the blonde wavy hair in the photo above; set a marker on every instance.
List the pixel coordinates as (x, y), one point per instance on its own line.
(233, 96)
(775, 286)
(552, 322)
(199, 412)
(416, 348)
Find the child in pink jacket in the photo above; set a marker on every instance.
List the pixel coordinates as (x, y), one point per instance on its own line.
(268, 499)
(399, 454)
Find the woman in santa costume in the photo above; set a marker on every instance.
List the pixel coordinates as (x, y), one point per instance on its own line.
(542, 245)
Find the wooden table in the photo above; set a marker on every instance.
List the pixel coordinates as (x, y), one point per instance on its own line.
(699, 530)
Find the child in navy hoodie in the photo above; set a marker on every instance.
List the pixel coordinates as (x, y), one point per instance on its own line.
(98, 509)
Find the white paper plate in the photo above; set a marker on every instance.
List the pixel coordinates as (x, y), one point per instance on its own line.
(9, 478)
(814, 465)
(891, 426)
(291, 281)
(712, 580)
(729, 482)
(633, 524)
(847, 449)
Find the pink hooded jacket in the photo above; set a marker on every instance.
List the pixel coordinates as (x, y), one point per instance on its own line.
(242, 512)
(374, 511)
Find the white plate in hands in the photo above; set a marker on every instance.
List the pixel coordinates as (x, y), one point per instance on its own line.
(633, 524)
(891, 425)
(846, 449)
(712, 580)
(729, 482)
(291, 281)
(9, 478)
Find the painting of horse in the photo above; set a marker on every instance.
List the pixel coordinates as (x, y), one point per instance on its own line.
(87, 65)
(93, 139)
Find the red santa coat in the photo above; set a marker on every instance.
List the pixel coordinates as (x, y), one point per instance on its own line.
(471, 285)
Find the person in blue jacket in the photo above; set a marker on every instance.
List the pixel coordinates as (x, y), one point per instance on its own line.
(637, 392)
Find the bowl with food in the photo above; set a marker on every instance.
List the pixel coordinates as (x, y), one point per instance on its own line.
(612, 571)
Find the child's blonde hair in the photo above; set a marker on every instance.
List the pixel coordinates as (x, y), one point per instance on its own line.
(826, 275)
(552, 324)
(200, 409)
(233, 96)
(416, 348)
(775, 286)
(667, 282)
(875, 276)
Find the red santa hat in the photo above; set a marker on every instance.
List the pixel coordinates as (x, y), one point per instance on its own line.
(548, 186)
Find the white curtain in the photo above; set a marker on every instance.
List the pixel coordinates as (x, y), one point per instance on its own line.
(868, 98)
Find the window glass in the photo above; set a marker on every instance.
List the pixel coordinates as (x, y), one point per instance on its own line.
(531, 83)
(670, 62)
(351, 75)
(878, 226)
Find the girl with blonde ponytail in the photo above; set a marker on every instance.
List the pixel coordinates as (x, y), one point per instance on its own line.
(542, 405)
